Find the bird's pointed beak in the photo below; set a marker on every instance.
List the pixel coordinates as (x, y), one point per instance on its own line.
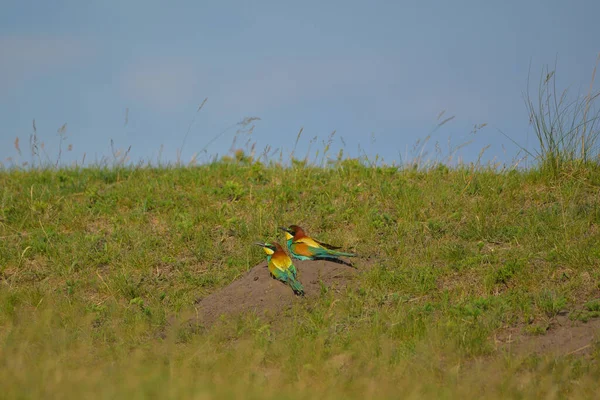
(284, 229)
(260, 244)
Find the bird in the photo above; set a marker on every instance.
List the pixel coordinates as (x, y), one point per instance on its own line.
(281, 266)
(303, 247)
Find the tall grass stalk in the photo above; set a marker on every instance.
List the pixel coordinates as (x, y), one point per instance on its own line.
(565, 126)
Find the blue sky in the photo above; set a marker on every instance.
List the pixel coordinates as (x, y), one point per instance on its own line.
(377, 72)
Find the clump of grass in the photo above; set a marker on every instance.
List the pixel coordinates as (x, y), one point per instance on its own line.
(591, 310)
(566, 127)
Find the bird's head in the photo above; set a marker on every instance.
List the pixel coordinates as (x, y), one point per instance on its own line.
(269, 248)
(292, 231)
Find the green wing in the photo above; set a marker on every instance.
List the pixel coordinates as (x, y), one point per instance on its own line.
(293, 271)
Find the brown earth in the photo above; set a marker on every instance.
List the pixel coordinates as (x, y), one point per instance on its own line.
(563, 337)
(258, 292)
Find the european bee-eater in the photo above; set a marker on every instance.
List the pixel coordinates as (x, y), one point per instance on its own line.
(281, 266)
(303, 247)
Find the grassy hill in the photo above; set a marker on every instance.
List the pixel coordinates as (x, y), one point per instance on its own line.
(461, 271)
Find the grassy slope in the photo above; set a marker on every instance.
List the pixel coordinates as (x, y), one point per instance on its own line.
(95, 261)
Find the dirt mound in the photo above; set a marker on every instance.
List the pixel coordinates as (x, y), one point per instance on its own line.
(563, 337)
(258, 292)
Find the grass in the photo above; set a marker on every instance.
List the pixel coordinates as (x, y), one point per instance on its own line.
(565, 126)
(99, 265)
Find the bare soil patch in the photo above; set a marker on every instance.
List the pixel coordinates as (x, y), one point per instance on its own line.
(258, 292)
(563, 337)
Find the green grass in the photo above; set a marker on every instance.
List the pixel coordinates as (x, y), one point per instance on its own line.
(100, 267)
(565, 125)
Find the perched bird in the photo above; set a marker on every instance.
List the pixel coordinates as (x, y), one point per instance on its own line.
(281, 267)
(303, 247)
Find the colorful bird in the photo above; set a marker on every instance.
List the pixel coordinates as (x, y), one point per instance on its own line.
(303, 247)
(281, 267)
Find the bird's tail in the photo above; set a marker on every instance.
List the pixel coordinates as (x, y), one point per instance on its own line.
(296, 286)
(341, 253)
(335, 253)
